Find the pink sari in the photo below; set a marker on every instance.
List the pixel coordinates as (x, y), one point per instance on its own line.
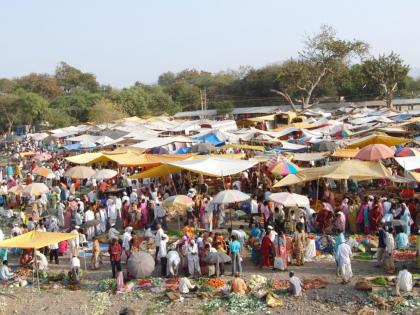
(144, 213)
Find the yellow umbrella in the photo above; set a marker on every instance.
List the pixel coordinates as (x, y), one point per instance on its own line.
(80, 172)
(36, 189)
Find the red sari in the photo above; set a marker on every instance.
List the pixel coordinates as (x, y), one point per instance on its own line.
(266, 244)
(375, 216)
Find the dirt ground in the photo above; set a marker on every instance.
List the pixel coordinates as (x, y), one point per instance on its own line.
(334, 299)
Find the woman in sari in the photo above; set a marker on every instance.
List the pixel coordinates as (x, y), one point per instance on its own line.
(125, 215)
(144, 212)
(345, 209)
(282, 250)
(406, 218)
(363, 216)
(354, 210)
(375, 216)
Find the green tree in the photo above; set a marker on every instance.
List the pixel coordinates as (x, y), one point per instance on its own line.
(7, 86)
(387, 73)
(71, 78)
(134, 100)
(58, 118)
(76, 104)
(166, 79)
(9, 114)
(32, 108)
(224, 107)
(185, 94)
(105, 112)
(160, 102)
(323, 55)
(44, 85)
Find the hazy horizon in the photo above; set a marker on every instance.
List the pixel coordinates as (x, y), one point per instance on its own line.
(133, 41)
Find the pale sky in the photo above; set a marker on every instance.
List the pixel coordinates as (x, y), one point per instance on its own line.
(126, 41)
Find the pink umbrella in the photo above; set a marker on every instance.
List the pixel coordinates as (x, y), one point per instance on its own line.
(375, 152)
(407, 152)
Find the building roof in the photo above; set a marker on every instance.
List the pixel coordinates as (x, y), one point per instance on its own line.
(255, 110)
(196, 113)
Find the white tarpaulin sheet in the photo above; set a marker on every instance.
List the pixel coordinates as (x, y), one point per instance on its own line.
(409, 163)
(213, 166)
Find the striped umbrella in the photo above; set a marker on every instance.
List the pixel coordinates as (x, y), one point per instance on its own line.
(279, 165)
(407, 152)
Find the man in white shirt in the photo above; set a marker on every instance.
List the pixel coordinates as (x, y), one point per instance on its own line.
(343, 257)
(404, 281)
(158, 238)
(160, 214)
(185, 286)
(162, 254)
(172, 263)
(5, 273)
(295, 285)
(112, 212)
(54, 253)
(41, 260)
(133, 197)
(254, 210)
(90, 230)
(92, 196)
(125, 197)
(118, 206)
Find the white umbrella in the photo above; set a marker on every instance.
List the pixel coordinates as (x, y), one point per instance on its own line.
(80, 172)
(36, 189)
(230, 196)
(104, 174)
(290, 199)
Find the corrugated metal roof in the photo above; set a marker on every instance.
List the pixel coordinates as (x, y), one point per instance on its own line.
(196, 113)
(255, 110)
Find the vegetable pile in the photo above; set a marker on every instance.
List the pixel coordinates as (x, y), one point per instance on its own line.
(216, 283)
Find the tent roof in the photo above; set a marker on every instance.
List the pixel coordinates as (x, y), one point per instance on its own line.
(347, 169)
(345, 153)
(313, 156)
(409, 163)
(36, 239)
(215, 166)
(375, 139)
(87, 158)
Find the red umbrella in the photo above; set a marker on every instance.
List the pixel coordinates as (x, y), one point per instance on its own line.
(375, 152)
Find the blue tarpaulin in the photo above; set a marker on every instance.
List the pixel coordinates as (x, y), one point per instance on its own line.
(73, 147)
(183, 150)
(401, 117)
(212, 139)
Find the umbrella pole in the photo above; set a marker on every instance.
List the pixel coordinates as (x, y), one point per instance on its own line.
(37, 271)
(231, 223)
(317, 193)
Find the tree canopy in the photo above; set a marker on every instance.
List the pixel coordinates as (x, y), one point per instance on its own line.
(327, 68)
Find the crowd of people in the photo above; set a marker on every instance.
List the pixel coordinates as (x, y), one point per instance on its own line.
(275, 236)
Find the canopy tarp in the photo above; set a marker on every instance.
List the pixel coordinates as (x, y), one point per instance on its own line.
(345, 153)
(415, 176)
(261, 118)
(158, 171)
(375, 139)
(409, 163)
(36, 239)
(27, 153)
(306, 157)
(243, 146)
(88, 158)
(212, 166)
(347, 169)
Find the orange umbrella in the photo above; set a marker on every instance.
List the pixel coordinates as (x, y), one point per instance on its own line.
(42, 171)
(375, 152)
